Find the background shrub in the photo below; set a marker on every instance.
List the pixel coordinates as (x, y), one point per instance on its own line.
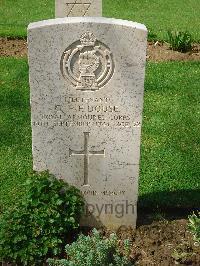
(95, 250)
(180, 41)
(37, 227)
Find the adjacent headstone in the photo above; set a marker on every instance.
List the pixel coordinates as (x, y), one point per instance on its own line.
(87, 83)
(78, 8)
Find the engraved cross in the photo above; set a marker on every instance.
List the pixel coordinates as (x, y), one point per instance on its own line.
(86, 153)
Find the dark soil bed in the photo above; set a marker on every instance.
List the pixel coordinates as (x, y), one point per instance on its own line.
(155, 52)
(163, 243)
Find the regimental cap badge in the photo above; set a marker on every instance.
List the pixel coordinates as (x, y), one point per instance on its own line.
(87, 63)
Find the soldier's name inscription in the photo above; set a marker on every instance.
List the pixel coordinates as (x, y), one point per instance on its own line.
(87, 112)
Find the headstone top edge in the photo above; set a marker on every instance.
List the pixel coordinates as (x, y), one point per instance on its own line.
(73, 20)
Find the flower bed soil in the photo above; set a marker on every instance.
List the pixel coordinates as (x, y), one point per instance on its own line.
(163, 243)
(156, 51)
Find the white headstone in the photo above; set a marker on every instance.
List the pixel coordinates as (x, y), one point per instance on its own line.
(78, 8)
(87, 83)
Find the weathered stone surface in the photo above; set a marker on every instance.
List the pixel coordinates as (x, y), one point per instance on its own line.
(87, 83)
(78, 8)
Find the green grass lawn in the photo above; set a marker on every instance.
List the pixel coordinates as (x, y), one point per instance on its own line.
(170, 169)
(15, 129)
(15, 15)
(158, 15)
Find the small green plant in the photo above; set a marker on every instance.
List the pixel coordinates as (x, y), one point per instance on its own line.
(180, 41)
(152, 37)
(179, 255)
(95, 250)
(159, 216)
(194, 226)
(37, 227)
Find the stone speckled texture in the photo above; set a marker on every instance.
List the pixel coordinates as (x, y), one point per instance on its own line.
(78, 8)
(87, 84)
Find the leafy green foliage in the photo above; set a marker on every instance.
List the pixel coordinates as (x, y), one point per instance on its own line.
(194, 226)
(180, 41)
(95, 250)
(38, 226)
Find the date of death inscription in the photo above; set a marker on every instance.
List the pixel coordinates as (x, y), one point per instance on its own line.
(81, 112)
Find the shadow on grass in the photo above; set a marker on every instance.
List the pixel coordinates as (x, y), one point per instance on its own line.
(167, 205)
